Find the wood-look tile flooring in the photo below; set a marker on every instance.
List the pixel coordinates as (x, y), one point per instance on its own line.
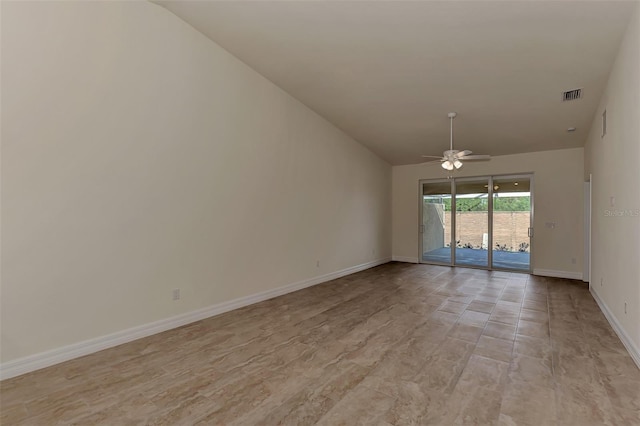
(399, 344)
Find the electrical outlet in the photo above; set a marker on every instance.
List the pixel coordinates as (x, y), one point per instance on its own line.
(373, 251)
(317, 264)
(573, 260)
(176, 294)
(625, 308)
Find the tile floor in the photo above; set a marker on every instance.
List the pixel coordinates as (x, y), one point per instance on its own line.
(399, 344)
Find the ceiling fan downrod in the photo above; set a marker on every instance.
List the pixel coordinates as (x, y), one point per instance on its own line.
(451, 116)
(451, 162)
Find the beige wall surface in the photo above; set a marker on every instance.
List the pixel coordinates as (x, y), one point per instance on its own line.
(558, 200)
(138, 157)
(614, 162)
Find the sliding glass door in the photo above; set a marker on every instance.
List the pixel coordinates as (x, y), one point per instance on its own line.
(512, 223)
(435, 228)
(482, 222)
(472, 222)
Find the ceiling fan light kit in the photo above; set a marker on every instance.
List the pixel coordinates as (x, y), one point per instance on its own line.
(447, 165)
(452, 158)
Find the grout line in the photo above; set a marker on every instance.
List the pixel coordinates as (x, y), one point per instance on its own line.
(554, 378)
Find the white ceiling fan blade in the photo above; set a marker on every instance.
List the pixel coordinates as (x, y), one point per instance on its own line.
(475, 158)
(431, 156)
(461, 154)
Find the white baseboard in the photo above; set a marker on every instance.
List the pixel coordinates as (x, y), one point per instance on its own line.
(405, 259)
(624, 337)
(558, 274)
(75, 350)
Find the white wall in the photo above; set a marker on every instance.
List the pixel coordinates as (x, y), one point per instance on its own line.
(614, 162)
(558, 195)
(138, 157)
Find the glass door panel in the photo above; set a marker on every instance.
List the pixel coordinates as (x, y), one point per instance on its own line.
(472, 222)
(435, 236)
(511, 223)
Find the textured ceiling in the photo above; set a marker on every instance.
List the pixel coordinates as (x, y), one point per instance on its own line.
(387, 73)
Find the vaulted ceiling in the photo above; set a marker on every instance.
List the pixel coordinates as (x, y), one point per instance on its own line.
(387, 73)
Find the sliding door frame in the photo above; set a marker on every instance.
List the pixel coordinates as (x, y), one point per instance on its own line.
(530, 232)
(421, 224)
(452, 245)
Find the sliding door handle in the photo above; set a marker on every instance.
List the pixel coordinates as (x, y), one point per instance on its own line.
(530, 232)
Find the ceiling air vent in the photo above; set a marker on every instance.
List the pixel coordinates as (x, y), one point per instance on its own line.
(571, 95)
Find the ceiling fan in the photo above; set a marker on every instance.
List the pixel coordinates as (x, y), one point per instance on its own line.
(452, 158)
